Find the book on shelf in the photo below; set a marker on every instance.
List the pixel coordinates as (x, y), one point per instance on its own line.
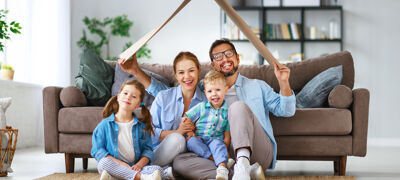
(300, 30)
(279, 31)
(289, 31)
(285, 31)
(293, 31)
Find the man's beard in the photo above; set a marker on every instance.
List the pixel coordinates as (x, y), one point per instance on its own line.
(227, 74)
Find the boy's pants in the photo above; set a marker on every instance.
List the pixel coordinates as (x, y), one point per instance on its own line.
(205, 147)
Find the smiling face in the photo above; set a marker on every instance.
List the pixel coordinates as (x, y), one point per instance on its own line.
(129, 98)
(215, 92)
(227, 65)
(187, 74)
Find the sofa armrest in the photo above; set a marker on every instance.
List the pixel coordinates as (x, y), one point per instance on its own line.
(360, 112)
(51, 106)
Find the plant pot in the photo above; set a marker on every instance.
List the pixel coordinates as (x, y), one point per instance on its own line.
(7, 74)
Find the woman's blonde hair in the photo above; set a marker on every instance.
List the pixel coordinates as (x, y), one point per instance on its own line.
(112, 105)
(186, 55)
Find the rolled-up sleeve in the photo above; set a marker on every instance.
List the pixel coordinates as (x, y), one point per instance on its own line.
(147, 147)
(277, 104)
(155, 87)
(288, 104)
(98, 145)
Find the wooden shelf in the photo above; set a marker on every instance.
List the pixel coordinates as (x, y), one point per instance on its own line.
(263, 20)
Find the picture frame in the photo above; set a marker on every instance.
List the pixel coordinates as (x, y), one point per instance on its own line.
(296, 57)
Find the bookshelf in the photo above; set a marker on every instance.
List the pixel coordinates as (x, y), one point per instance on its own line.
(306, 17)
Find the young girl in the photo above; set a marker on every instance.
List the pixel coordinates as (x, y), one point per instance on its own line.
(121, 144)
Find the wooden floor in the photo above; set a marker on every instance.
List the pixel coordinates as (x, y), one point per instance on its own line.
(380, 163)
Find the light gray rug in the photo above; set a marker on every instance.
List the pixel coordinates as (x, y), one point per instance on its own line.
(96, 176)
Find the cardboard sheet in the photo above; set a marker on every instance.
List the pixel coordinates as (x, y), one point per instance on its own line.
(258, 44)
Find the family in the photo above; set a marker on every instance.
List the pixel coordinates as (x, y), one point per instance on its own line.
(199, 129)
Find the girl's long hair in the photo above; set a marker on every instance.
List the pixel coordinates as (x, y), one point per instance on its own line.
(112, 105)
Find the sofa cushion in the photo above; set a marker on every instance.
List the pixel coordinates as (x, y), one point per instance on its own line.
(315, 93)
(95, 78)
(121, 76)
(314, 145)
(72, 96)
(79, 119)
(340, 97)
(314, 121)
(75, 143)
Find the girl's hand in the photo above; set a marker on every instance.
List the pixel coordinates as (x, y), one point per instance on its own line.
(137, 167)
(140, 164)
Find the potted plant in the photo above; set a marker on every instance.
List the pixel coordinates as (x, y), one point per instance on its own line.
(7, 72)
(105, 29)
(6, 29)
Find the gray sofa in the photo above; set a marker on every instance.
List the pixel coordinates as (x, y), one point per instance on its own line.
(327, 133)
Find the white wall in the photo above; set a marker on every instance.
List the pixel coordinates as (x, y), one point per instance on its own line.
(193, 29)
(25, 112)
(371, 34)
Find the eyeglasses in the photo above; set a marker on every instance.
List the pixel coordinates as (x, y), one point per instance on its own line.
(220, 55)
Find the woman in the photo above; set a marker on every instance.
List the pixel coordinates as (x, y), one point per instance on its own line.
(170, 104)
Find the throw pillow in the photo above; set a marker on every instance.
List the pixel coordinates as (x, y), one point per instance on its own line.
(315, 92)
(72, 96)
(121, 76)
(340, 97)
(95, 78)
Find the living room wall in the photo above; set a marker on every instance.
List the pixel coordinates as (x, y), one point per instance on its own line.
(193, 29)
(370, 34)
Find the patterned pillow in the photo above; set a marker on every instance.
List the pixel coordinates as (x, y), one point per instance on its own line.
(315, 92)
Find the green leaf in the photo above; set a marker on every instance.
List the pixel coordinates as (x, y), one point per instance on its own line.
(5, 28)
(105, 30)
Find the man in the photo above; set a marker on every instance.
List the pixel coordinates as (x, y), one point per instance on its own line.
(250, 102)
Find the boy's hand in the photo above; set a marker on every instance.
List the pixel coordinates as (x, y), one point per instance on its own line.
(185, 126)
(189, 135)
